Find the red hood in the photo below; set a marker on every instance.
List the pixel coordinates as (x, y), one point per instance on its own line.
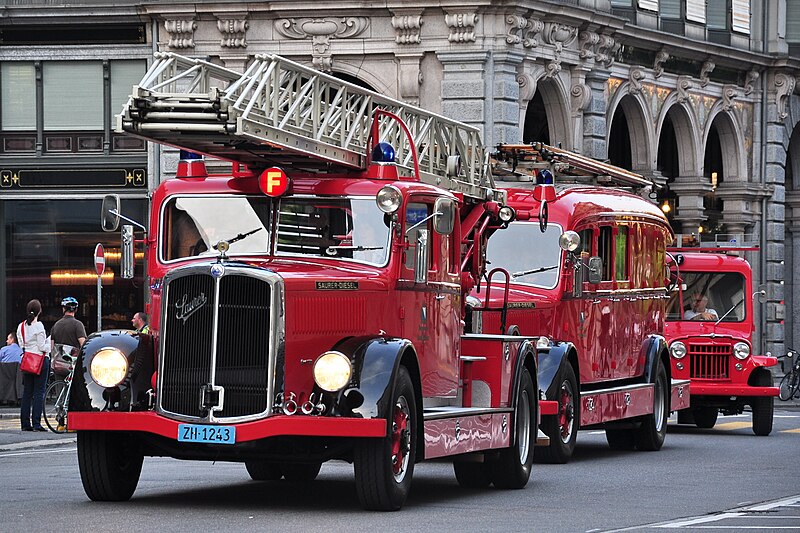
(303, 274)
(687, 329)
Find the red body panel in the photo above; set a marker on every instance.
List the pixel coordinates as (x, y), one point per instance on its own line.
(600, 407)
(466, 434)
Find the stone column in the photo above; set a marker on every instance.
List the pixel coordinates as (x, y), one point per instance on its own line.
(792, 254)
(505, 97)
(464, 88)
(690, 211)
(595, 122)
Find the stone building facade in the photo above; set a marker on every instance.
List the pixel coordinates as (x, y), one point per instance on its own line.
(702, 99)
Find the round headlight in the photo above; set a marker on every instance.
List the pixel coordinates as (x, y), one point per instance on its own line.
(109, 367)
(389, 199)
(506, 214)
(741, 350)
(678, 350)
(332, 371)
(569, 241)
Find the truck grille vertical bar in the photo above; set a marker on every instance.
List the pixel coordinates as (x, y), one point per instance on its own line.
(709, 361)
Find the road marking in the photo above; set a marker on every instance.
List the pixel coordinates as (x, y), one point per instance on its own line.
(727, 426)
(37, 443)
(791, 500)
(36, 452)
(790, 430)
(698, 520)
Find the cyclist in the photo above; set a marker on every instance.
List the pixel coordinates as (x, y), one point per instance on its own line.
(69, 331)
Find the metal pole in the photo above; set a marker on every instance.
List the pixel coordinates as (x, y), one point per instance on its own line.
(99, 303)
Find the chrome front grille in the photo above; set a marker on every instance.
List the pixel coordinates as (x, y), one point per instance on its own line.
(710, 361)
(219, 333)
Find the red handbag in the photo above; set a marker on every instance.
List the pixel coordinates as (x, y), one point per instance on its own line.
(31, 361)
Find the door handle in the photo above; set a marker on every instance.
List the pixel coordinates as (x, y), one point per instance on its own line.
(439, 297)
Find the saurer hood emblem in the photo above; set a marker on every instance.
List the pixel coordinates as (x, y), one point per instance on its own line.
(187, 307)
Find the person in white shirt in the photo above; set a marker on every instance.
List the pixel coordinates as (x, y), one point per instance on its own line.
(700, 310)
(32, 338)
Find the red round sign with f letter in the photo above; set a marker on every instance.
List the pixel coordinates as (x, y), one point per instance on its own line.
(99, 259)
(273, 182)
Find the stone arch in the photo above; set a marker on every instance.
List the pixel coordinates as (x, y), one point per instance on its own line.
(360, 71)
(640, 125)
(555, 99)
(686, 133)
(731, 138)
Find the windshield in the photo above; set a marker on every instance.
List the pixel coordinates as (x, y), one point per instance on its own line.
(522, 249)
(709, 296)
(334, 228)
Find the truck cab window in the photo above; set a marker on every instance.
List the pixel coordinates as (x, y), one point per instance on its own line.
(604, 250)
(709, 294)
(415, 213)
(621, 254)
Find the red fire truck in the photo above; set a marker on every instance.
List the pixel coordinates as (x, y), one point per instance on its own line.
(309, 305)
(709, 328)
(589, 280)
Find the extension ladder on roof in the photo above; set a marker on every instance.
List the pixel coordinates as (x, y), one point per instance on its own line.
(281, 112)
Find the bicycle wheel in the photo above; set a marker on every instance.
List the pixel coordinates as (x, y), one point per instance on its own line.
(55, 399)
(789, 385)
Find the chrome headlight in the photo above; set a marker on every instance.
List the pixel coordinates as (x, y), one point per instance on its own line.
(389, 199)
(109, 367)
(678, 350)
(506, 214)
(332, 371)
(741, 350)
(569, 241)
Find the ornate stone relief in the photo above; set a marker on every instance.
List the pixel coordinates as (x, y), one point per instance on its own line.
(749, 82)
(462, 27)
(527, 87)
(407, 28)
(658, 64)
(321, 31)
(181, 33)
(587, 41)
(606, 50)
(533, 28)
(559, 35)
(636, 76)
(234, 31)
(784, 87)
(683, 86)
(729, 93)
(410, 77)
(516, 24)
(580, 97)
(552, 68)
(705, 71)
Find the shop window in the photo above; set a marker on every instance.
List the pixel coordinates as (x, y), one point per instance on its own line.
(73, 95)
(18, 96)
(124, 75)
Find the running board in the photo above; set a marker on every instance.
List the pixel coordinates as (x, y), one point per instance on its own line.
(681, 394)
(616, 403)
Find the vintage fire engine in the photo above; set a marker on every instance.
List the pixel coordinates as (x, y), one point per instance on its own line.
(709, 328)
(309, 305)
(589, 280)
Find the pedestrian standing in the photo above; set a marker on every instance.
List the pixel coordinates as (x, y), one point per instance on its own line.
(139, 322)
(33, 338)
(68, 332)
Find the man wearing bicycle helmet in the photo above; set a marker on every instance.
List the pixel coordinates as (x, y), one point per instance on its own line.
(68, 331)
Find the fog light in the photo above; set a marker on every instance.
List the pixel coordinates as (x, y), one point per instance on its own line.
(679, 366)
(738, 366)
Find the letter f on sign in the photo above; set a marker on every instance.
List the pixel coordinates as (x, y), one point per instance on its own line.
(273, 182)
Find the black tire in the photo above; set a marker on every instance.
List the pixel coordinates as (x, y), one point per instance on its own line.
(763, 407)
(705, 417)
(384, 467)
(621, 439)
(301, 472)
(563, 427)
(473, 475)
(512, 470)
(55, 414)
(110, 464)
(685, 416)
(788, 386)
(651, 434)
(263, 471)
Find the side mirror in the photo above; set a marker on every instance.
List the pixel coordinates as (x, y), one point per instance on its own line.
(595, 269)
(421, 257)
(760, 296)
(109, 213)
(127, 252)
(444, 221)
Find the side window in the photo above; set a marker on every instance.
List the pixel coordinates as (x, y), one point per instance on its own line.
(604, 244)
(416, 212)
(586, 241)
(621, 254)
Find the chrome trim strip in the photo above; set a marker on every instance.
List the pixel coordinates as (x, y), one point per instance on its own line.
(618, 389)
(441, 413)
(214, 338)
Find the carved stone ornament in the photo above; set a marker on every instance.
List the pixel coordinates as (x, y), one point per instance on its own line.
(407, 29)
(527, 87)
(684, 84)
(749, 82)
(181, 33)
(552, 68)
(784, 87)
(607, 48)
(533, 28)
(234, 31)
(658, 64)
(729, 93)
(636, 76)
(321, 31)
(516, 24)
(705, 71)
(462, 27)
(587, 40)
(559, 35)
(580, 97)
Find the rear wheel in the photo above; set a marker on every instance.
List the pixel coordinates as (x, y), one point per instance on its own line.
(651, 434)
(763, 407)
(384, 466)
(54, 407)
(705, 417)
(562, 428)
(513, 468)
(303, 472)
(110, 464)
(263, 471)
(473, 475)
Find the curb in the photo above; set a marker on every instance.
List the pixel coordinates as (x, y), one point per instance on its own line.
(38, 444)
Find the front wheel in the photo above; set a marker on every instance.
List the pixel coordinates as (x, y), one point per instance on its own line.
(513, 468)
(55, 413)
(301, 472)
(110, 463)
(562, 428)
(763, 407)
(384, 466)
(651, 434)
(705, 417)
(789, 385)
(263, 470)
(473, 475)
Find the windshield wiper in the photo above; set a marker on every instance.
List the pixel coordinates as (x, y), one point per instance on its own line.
(333, 250)
(533, 271)
(729, 311)
(238, 237)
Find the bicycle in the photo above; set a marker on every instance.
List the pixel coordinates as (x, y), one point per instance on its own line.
(56, 400)
(790, 384)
